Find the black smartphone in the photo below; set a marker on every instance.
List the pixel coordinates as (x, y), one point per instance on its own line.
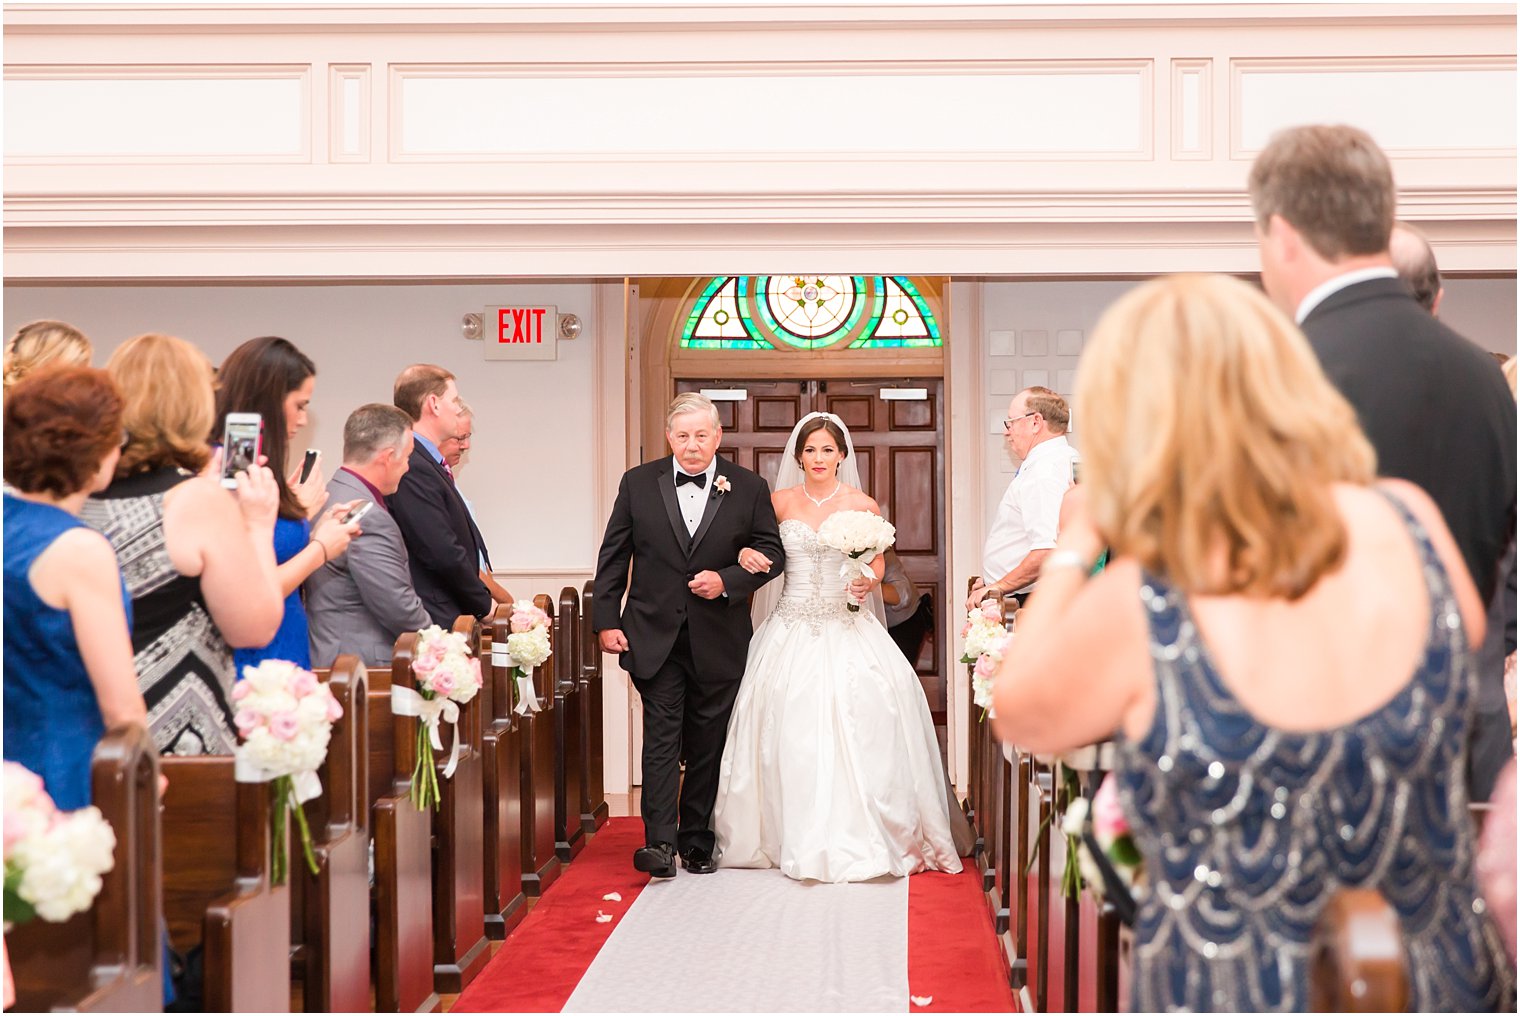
(307, 464)
(242, 442)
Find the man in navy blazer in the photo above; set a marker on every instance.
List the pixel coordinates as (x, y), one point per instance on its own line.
(441, 538)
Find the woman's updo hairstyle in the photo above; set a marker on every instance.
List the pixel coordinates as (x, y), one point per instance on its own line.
(813, 426)
(60, 424)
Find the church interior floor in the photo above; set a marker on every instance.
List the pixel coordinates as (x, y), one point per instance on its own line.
(604, 938)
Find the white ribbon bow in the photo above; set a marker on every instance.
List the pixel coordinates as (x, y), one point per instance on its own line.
(307, 784)
(407, 702)
(527, 697)
(858, 567)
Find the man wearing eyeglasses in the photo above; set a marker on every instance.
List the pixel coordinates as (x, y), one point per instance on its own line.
(1024, 529)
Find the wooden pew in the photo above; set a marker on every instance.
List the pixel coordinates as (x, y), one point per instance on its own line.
(403, 889)
(330, 924)
(1037, 883)
(460, 946)
(1357, 954)
(569, 764)
(216, 837)
(501, 763)
(1019, 806)
(110, 958)
(594, 811)
(540, 864)
(976, 761)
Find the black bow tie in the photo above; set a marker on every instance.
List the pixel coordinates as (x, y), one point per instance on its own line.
(700, 479)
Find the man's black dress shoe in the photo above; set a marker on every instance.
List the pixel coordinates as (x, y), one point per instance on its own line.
(658, 859)
(699, 862)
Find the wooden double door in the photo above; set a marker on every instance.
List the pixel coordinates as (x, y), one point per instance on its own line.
(897, 430)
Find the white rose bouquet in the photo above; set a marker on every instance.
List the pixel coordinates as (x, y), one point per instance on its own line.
(986, 643)
(528, 646)
(284, 719)
(447, 677)
(53, 859)
(860, 537)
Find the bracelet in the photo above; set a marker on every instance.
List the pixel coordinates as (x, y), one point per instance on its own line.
(1058, 559)
(322, 547)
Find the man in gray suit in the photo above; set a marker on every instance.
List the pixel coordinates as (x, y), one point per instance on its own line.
(360, 602)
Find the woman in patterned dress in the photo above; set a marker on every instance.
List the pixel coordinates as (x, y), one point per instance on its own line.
(1283, 647)
(198, 559)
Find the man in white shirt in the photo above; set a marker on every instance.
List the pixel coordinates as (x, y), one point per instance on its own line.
(1024, 529)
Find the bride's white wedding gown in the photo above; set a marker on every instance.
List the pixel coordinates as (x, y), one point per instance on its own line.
(832, 768)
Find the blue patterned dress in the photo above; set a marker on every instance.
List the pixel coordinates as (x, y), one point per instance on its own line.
(1248, 831)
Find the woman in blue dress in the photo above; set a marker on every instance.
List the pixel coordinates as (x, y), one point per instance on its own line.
(273, 378)
(69, 674)
(1284, 649)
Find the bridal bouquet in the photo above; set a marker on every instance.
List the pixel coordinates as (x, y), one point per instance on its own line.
(53, 859)
(1112, 832)
(528, 647)
(284, 719)
(859, 536)
(447, 677)
(986, 643)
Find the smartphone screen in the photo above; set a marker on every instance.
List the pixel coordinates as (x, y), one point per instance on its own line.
(307, 463)
(357, 511)
(241, 444)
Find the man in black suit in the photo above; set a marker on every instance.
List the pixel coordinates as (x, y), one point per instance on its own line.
(1435, 407)
(684, 633)
(444, 546)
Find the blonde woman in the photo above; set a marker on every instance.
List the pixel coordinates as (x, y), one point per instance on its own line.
(197, 559)
(44, 344)
(1284, 650)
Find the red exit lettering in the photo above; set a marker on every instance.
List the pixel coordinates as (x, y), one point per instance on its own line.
(520, 325)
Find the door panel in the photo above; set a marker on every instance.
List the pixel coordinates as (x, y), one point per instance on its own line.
(900, 455)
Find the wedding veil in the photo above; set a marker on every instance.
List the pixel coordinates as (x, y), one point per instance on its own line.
(789, 474)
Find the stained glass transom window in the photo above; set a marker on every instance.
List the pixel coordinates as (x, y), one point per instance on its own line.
(810, 312)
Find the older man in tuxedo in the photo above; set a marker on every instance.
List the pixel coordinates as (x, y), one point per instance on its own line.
(361, 601)
(684, 633)
(445, 547)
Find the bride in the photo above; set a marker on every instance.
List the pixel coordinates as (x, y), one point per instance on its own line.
(831, 770)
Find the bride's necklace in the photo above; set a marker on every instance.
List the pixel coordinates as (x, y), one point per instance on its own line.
(837, 487)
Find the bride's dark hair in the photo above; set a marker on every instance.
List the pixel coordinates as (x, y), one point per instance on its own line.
(814, 426)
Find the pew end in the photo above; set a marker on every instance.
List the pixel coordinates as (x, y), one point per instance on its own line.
(109, 958)
(569, 743)
(540, 864)
(1358, 956)
(506, 904)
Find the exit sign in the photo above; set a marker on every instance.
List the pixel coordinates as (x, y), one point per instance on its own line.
(521, 333)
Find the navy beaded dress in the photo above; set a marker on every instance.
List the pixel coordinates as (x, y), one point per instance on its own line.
(1247, 830)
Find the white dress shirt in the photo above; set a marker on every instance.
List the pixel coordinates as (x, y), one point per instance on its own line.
(691, 498)
(1027, 518)
(1322, 292)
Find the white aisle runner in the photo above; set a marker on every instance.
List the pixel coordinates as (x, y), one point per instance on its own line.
(743, 940)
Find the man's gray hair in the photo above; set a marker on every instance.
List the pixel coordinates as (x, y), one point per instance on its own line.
(1416, 264)
(691, 402)
(371, 429)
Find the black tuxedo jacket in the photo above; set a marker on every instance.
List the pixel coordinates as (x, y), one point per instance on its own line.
(1435, 407)
(441, 541)
(646, 529)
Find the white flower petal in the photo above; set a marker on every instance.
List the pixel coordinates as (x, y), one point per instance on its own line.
(921, 1000)
(614, 897)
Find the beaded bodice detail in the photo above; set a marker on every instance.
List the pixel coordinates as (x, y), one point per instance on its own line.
(1248, 830)
(814, 591)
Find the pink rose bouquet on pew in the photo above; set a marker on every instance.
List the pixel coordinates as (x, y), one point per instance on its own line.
(528, 646)
(1112, 832)
(447, 677)
(859, 536)
(284, 719)
(53, 859)
(986, 643)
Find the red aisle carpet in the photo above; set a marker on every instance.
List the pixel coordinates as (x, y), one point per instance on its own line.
(952, 955)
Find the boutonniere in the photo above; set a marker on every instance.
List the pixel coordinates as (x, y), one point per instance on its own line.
(721, 485)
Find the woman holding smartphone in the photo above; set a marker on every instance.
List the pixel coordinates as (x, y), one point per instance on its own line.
(272, 378)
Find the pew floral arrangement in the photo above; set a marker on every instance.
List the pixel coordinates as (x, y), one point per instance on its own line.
(986, 643)
(284, 719)
(1111, 832)
(859, 536)
(447, 678)
(53, 859)
(528, 646)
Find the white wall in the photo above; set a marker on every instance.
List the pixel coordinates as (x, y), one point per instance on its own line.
(1483, 310)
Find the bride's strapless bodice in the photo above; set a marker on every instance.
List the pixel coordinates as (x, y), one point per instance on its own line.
(814, 588)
